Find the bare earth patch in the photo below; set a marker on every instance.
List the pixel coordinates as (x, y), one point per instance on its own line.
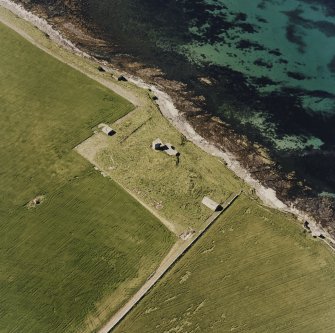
(35, 202)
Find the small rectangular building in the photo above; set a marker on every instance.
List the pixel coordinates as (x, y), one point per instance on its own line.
(107, 130)
(167, 148)
(157, 144)
(171, 150)
(211, 204)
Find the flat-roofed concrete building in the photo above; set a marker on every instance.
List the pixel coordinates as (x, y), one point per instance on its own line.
(171, 150)
(107, 130)
(157, 144)
(211, 204)
(167, 148)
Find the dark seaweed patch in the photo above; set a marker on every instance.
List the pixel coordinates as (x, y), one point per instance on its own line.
(282, 61)
(263, 81)
(260, 62)
(241, 17)
(261, 19)
(248, 27)
(297, 76)
(294, 36)
(326, 27)
(331, 65)
(275, 52)
(247, 44)
(296, 20)
(328, 5)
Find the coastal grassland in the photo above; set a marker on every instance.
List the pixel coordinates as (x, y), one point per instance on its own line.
(254, 271)
(67, 264)
(176, 196)
(173, 187)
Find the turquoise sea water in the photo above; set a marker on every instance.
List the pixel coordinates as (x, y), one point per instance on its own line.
(272, 62)
(268, 52)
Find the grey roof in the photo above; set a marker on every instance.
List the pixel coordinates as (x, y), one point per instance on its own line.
(211, 204)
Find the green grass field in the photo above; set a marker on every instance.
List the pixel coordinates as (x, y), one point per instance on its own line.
(255, 271)
(70, 262)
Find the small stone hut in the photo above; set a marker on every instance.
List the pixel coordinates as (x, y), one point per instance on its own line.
(107, 130)
(171, 150)
(211, 204)
(167, 148)
(157, 144)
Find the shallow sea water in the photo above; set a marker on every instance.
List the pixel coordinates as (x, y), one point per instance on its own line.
(302, 61)
(273, 64)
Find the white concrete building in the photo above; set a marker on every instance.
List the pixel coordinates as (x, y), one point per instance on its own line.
(157, 144)
(107, 130)
(211, 204)
(170, 150)
(167, 148)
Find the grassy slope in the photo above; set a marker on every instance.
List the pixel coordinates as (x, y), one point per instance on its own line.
(253, 272)
(60, 262)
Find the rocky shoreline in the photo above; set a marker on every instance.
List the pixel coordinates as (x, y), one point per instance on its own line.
(239, 153)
